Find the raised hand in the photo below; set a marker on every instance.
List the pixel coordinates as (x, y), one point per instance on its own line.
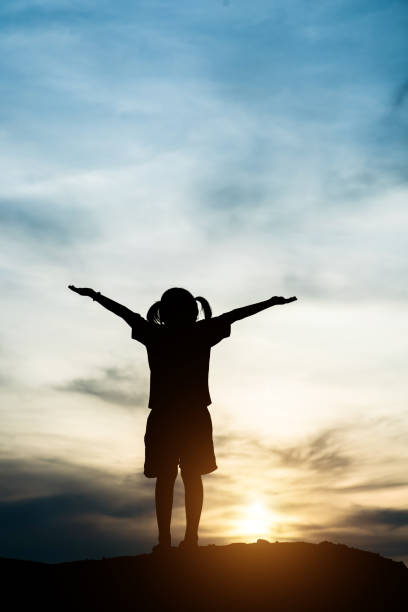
(281, 300)
(247, 311)
(82, 290)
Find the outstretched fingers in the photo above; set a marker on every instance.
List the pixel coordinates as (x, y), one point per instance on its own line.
(81, 290)
(277, 299)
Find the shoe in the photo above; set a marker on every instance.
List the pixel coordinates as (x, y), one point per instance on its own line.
(161, 548)
(188, 545)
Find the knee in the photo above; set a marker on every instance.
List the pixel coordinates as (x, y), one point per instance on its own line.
(190, 476)
(167, 476)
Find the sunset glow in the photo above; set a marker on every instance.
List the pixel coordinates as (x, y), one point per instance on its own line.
(255, 522)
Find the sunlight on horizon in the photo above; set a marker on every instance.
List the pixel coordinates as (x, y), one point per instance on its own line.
(256, 521)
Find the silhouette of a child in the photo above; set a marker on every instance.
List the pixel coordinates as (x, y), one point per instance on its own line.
(179, 427)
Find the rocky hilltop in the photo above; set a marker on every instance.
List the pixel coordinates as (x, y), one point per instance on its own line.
(263, 576)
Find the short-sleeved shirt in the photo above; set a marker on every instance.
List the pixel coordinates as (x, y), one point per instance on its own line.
(179, 359)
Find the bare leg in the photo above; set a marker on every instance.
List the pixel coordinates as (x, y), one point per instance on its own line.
(193, 495)
(164, 503)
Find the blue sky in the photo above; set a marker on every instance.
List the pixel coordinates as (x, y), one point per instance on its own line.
(242, 151)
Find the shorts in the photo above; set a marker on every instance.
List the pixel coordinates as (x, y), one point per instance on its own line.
(179, 438)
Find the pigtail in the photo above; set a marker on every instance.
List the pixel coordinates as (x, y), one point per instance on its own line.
(153, 314)
(205, 307)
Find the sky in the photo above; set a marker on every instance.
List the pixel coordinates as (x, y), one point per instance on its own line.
(240, 150)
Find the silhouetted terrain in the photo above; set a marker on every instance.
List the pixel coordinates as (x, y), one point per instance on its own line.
(263, 576)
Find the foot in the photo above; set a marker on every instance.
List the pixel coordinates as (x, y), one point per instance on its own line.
(161, 548)
(189, 544)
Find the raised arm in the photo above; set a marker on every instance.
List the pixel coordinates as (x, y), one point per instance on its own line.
(247, 311)
(106, 302)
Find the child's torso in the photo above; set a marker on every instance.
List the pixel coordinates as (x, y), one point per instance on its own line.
(179, 364)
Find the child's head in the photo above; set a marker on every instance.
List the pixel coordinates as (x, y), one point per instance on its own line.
(177, 307)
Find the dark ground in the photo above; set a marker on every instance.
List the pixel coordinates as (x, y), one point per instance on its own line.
(262, 576)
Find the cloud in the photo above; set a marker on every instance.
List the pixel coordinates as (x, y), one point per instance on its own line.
(53, 509)
(56, 511)
(374, 485)
(401, 95)
(367, 518)
(383, 530)
(322, 453)
(44, 476)
(46, 223)
(114, 385)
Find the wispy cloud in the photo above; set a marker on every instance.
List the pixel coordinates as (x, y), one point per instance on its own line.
(401, 95)
(114, 385)
(42, 223)
(323, 453)
(374, 485)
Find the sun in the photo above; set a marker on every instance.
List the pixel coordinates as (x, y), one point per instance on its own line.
(256, 521)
